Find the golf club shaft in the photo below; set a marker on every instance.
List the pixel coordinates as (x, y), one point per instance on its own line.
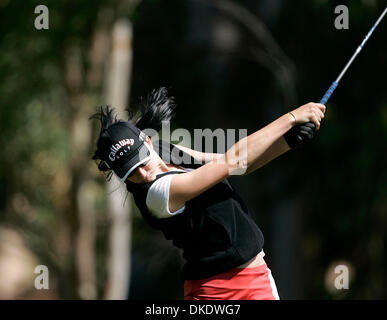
(336, 82)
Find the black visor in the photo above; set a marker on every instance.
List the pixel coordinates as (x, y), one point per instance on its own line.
(123, 147)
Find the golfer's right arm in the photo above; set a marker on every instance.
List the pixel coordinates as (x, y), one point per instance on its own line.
(245, 153)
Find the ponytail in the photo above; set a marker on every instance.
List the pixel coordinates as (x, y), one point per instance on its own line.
(156, 108)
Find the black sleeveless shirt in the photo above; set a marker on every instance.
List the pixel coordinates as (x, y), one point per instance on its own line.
(215, 230)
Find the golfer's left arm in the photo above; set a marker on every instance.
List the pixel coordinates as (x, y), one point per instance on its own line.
(278, 148)
(203, 157)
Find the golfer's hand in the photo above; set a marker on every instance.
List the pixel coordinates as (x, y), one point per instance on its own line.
(300, 135)
(310, 112)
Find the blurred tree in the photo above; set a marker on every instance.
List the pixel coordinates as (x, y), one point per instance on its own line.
(118, 84)
(55, 80)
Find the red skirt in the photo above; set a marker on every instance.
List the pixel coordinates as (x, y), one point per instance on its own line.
(235, 284)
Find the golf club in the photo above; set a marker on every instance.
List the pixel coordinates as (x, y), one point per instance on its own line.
(336, 82)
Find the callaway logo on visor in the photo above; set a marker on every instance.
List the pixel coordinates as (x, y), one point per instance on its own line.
(119, 149)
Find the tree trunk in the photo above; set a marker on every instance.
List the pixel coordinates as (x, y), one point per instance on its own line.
(117, 93)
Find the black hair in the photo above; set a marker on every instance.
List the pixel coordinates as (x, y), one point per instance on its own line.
(107, 117)
(156, 108)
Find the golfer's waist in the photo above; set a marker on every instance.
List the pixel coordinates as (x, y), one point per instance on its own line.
(254, 262)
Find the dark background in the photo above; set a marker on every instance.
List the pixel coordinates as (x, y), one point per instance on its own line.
(318, 207)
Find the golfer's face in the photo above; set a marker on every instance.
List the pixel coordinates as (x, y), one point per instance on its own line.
(145, 172)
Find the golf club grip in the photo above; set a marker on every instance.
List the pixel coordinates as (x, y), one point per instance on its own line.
(329, 92)
(312, 123)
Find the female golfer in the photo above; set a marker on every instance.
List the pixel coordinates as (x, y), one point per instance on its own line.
(193, 203)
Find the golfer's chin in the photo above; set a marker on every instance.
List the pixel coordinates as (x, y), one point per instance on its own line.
(149, 178)
(136, 178)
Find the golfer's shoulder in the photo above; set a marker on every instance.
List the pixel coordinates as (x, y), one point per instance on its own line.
(157, 199)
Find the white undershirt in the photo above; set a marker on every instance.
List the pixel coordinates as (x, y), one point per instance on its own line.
(157, 199)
